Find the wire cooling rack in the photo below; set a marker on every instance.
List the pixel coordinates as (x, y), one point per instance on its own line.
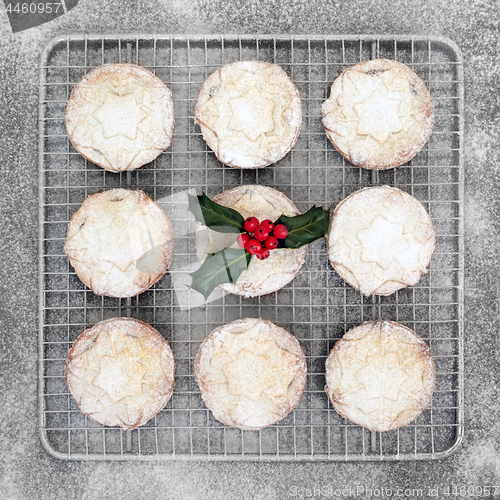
(317, 307)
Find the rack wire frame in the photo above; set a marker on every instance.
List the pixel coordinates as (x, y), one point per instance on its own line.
(317, 307)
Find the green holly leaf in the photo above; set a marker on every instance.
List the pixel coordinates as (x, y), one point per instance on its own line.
(215, 216)
(305, 228)
(225, 266)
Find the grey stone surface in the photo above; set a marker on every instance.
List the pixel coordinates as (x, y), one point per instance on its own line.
(27, 471)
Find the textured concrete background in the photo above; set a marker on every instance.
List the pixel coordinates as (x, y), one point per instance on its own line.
(26, 470)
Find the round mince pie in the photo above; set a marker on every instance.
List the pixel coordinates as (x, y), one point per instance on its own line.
(262, 276)
(249, 113)
(380, 375)
(379, 114)
(251, 373)
(120, 116)
(380, 240)
(119, 242)
(120, 372)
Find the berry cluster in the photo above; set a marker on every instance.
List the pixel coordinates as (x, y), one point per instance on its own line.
(265, 237)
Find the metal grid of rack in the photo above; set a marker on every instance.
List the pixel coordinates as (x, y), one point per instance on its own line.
(317, 307)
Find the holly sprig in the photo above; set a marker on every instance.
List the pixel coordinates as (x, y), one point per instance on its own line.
(227, 265)
(306, 228)
(215, 216)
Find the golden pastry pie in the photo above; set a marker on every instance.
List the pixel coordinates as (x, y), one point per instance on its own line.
(380, 240)
(119, 242)
(262, 276)
(379, 114)
(120, 372)
(249, 113)
(120, 116)
(380, 375)
(251, 373)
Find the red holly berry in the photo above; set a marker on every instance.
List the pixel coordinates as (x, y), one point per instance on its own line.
(268, 223)
(261, 233)
(280, 231)
(243, 239)
(251, 224)
(271, 243)
(264, 254)
(253, 247)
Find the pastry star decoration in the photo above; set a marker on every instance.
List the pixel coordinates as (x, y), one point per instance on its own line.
(381, 241)
(249, 375)
(119, 115)
(120, 375)
(115, 244)
(252, 115)
(378, 117)
(382, 376)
